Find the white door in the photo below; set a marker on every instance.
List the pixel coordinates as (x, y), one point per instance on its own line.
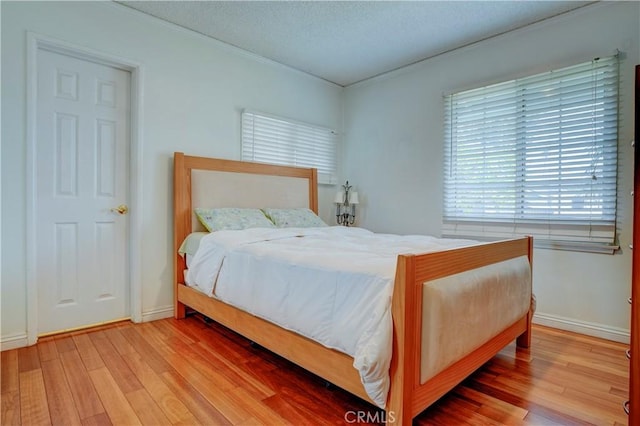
(82, 160)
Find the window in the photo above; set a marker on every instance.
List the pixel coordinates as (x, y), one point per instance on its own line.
(537, 156)
(268, 139)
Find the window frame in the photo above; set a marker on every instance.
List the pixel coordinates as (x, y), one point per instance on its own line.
(283, 141)
(507, 101)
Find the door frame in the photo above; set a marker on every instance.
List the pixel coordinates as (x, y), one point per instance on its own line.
(37, 42)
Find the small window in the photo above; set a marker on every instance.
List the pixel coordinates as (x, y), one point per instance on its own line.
(537, 155)
(274, 140)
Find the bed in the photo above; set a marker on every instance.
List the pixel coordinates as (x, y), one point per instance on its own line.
(212, 183)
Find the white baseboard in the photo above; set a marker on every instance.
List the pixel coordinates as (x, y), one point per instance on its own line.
(13, 341)
(590, 329)
(19, 340)
(157, 313)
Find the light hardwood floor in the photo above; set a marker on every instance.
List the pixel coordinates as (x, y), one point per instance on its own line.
(189, 372)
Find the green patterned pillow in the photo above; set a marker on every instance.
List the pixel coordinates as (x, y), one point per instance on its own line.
(232, 218)
(294, 218)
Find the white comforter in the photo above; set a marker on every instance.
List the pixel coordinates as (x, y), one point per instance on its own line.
(333, 285)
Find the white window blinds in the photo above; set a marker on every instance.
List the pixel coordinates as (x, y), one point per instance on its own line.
(274, 140)
(537, 155)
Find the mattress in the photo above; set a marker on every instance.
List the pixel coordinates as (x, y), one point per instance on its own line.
(334, 285)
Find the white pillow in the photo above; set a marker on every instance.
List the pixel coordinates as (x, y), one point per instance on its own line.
(191, 243)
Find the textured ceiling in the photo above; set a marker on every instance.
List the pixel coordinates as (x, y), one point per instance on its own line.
(347, 41)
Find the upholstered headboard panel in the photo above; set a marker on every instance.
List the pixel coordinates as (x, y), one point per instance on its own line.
(212, 182)
(211, 189)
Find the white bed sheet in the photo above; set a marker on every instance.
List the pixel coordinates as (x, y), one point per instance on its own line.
(333, 285)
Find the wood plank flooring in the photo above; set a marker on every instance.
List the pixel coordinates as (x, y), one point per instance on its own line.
(189, 372)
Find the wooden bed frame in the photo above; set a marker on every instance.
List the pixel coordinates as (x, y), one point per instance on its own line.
(407, 397)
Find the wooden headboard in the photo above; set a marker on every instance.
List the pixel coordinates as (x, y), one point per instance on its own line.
(211, 182)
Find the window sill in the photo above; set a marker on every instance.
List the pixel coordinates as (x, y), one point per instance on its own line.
(545, 244)
(576, 246)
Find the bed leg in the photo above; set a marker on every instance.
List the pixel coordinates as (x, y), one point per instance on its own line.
(524, 340)
(179, 310)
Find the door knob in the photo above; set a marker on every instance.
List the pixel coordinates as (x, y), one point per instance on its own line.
(121, 209)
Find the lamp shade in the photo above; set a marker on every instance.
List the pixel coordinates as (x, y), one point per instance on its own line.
(339, 197)
(353, 198)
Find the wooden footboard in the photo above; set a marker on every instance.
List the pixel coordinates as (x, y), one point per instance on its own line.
(407, 397)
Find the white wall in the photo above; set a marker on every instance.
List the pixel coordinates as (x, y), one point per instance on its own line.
(393, 151)
(194, 90)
